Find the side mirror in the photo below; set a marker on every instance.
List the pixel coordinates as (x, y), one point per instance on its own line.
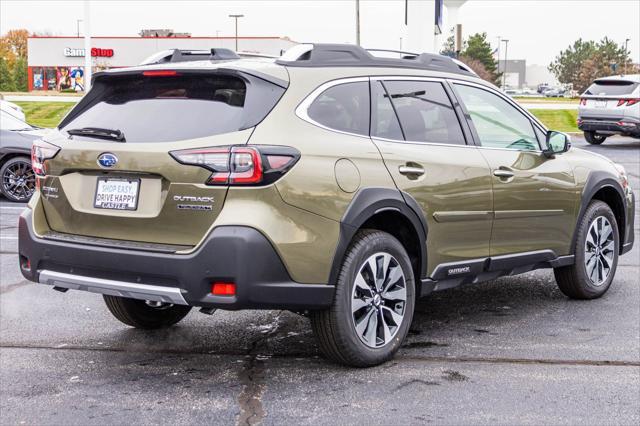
(557, 143)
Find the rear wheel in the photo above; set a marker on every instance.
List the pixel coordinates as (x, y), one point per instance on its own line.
(18, 180)
(596, 255)
(593, 138)
(145, 314)
(373, 304)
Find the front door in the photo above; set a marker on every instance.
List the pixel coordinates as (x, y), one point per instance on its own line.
(417, 130)
(535, 197)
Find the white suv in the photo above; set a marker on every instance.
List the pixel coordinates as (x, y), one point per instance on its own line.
(610, 106)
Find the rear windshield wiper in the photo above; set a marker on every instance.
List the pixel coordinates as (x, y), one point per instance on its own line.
(99, 133)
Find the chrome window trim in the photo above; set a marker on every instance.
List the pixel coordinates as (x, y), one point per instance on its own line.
(301, 109)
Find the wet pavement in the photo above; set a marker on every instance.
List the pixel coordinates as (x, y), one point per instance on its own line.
(511, 351)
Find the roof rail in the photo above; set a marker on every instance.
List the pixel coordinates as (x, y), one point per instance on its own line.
(181, 55)
(343, 55)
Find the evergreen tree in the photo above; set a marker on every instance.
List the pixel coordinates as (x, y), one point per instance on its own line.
(20, 75)
(477, 47)
(6, 77)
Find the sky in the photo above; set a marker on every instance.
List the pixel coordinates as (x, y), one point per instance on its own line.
(537, 30)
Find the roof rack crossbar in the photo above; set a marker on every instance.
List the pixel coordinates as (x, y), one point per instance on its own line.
(337, 55)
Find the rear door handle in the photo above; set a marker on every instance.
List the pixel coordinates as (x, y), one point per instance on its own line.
(411, 170)
(503, 173)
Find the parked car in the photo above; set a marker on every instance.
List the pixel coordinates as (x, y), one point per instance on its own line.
(610, 106)
(12, 109)
(329, 182)
(554, 92)
(16, 136)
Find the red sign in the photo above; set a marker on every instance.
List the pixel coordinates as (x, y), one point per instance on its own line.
(96, 51)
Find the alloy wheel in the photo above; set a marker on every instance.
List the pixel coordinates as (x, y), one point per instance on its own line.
(19, 181)
(599, 250)
(378, 300)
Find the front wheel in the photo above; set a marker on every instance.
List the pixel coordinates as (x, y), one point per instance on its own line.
(145, 314)
(596, 255)
(373, 304)
(593, 138)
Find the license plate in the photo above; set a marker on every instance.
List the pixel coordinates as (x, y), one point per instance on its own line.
(117, 194)
(601, 103)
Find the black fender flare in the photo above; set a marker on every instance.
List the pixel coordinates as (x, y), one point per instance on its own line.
(595, 182)
(365, 204)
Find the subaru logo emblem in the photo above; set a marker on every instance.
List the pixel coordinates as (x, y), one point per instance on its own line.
(107, 160)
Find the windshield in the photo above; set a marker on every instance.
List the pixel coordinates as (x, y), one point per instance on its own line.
(8, 122)
(167, 106)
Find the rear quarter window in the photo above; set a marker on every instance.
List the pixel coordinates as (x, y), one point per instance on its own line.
(172, 108)
(344, 107)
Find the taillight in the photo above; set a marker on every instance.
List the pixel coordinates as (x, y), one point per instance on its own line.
(628, 102)
(240, 165)
(42, 151)
(583, 101)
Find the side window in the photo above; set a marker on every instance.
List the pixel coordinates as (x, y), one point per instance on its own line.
(343, 107)
(425, 112)
(384, 122)
(497, 123)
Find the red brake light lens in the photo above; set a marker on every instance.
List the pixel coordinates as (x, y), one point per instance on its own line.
(583, 101)
(223, 289)
(160, 73)
(632, 101)
(42, 151)
(622, 102)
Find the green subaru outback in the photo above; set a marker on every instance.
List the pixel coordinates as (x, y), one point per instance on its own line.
(329, 182)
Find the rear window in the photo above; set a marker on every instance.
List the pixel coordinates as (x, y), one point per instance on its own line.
(172, 108)
(611, 88)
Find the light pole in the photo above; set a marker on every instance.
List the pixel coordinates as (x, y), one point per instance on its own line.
(358, 22)
(78, 26)
(236, 18)
(504, 69)
(626, 42)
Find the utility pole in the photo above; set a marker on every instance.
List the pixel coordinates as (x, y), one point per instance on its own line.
(358, 22)
(236, 18)
(626, 42)
(504, 72)
(78, 27)
(499, 41)
(87, 46)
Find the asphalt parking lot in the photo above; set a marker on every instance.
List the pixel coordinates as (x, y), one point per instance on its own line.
(511, 351)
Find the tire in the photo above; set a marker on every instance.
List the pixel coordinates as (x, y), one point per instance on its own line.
(17, 180)
(335, 328)
(593, 138)
(139, 314)
(584, 280)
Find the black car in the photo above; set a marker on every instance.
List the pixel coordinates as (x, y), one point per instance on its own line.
(17, 179)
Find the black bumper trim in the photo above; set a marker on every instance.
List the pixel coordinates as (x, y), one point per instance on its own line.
(230, 253)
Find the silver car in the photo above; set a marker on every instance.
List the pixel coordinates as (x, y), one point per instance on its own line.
(610, 106)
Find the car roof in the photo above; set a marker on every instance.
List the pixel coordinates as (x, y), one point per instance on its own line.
(629, 77)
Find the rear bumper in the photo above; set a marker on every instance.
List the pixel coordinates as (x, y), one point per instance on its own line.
(609, 126)
(237, 254)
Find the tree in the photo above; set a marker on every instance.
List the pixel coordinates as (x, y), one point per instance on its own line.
(20, 75)
(449, 46)
(477, 67)
(585, 61)
(17, 40)
(477, 47)
(6, 77)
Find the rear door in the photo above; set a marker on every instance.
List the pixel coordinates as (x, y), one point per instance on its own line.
(416, 128)
(535, 197)
(133, 189)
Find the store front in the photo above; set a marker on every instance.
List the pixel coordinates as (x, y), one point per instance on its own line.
(57, 63)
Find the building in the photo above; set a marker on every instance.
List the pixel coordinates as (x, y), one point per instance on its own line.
(515, 73)
(57, 63)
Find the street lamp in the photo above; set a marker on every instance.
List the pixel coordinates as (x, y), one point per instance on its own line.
(236, 18)
(504, 69)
